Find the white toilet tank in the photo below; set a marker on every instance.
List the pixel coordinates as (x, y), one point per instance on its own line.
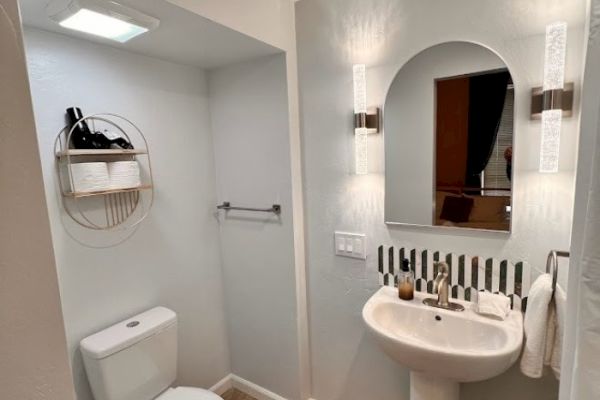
(135, 359)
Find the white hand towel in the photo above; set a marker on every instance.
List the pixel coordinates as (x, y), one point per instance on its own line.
(550, 333)
(536, 326)
(493, 305)
(124, 174)
(560, 305)
(89, 177)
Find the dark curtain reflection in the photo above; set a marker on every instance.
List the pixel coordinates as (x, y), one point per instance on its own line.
(486, 101)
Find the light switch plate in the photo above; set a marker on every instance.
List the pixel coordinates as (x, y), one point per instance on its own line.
(351, 245)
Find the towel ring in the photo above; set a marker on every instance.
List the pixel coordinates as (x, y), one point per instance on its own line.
(552, 264)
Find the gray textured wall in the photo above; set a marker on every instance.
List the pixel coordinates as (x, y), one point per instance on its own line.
(581, 364)
(249, 121)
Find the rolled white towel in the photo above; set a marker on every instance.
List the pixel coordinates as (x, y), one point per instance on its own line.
(89, 177)
(538, 325)
(550, 333)
(493, 305)
(124, 174)
(560, 305)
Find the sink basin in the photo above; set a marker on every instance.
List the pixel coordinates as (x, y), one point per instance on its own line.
(442, 346)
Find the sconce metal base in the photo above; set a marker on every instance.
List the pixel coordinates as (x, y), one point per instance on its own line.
(370, 120)
(558, 99)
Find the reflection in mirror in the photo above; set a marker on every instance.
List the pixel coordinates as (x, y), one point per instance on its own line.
(474, 135)
(448, 126)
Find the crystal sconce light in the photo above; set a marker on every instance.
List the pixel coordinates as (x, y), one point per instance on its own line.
(365, 122)
(554, 100)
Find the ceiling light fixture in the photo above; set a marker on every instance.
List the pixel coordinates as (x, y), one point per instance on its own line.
(103, 18)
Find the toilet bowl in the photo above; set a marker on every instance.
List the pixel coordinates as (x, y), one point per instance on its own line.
(136, 359)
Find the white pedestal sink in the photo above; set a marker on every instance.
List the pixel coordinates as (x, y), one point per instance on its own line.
(441, 347)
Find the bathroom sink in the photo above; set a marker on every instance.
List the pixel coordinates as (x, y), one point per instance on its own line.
(442, 346)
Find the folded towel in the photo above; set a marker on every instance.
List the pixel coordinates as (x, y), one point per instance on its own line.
(89, 177)
(560, 306)
(124, 174)
(550, 333)
(493, 305)
(538, 317)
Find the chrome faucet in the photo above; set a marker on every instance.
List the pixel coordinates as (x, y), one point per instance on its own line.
(441, 287)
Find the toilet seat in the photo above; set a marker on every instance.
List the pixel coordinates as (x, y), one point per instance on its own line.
(188, 393)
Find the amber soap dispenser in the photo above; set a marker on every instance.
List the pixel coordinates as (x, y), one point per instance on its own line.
(406, 282)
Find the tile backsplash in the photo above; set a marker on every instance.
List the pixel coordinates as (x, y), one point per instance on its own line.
(468, 274)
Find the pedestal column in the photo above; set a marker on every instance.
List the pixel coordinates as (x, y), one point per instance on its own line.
(427, 387)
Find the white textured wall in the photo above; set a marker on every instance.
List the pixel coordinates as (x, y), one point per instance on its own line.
(248, 104)
(334, 34)
(33, 352)
(173, 260)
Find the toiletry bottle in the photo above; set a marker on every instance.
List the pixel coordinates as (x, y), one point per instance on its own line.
(406, 282)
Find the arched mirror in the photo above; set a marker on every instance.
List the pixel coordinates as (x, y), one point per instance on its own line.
(449, 134)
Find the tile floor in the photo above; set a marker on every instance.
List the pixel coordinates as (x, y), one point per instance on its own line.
(234, 394)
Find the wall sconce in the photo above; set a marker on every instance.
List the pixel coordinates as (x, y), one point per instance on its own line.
(554, 100)
(365, 121)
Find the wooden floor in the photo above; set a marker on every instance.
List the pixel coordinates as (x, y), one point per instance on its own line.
(234, 394)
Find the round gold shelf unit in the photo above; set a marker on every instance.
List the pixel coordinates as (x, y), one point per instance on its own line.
(106, 209)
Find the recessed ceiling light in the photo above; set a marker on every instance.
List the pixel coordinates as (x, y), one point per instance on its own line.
(103, 18)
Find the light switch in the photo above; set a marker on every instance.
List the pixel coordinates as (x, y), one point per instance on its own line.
(358, 246)
(340, 244)
(351, 245)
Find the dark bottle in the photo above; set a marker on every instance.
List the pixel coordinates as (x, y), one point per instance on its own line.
(83, 138)
(116, 141)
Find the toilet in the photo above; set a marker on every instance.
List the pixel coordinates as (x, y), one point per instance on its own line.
(137, 360)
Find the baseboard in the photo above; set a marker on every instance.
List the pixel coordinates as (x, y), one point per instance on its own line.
(254, 390)
(258, 392)
(223, 385)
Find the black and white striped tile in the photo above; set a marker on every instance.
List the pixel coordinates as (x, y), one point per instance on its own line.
(468, 274)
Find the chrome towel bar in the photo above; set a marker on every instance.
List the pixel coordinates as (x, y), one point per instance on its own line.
(275, 208)
(552, 264)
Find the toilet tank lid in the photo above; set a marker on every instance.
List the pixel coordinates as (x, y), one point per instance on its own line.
(127, 333)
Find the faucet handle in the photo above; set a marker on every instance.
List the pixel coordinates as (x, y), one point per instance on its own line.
(442, 268)
(441, 277)
(441, 287)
